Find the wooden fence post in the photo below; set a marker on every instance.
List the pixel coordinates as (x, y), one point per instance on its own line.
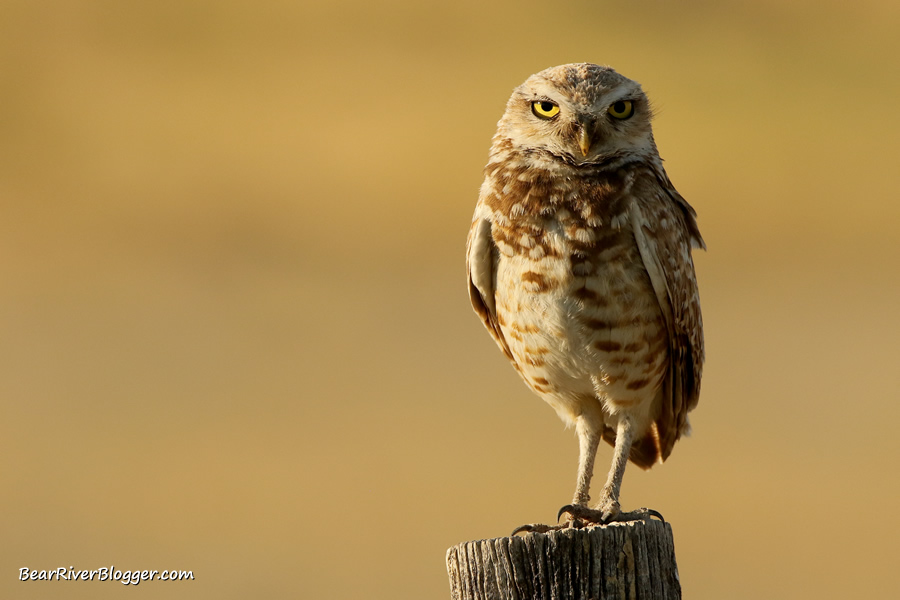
(625, 561)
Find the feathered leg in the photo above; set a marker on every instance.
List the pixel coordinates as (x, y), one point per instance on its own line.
(588, 442)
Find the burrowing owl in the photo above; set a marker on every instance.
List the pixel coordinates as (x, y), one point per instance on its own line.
(579, 264)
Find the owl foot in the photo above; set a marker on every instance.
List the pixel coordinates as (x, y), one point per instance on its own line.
(580, 516)
(608, 515)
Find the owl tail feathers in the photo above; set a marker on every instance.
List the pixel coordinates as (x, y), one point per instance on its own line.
(669, 426)
(646, 451)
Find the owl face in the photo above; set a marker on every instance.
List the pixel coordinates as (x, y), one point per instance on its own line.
(579, 114)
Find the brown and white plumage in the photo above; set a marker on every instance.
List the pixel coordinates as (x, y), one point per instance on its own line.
(579, 264)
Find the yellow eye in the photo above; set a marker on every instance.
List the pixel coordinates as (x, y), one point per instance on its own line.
(544, 109)
(623, 109)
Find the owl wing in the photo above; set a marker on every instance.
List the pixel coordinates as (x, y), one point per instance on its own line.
(482, 257)
(665, 228)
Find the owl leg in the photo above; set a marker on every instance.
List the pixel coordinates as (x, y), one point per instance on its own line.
(609, 496)
(607, 509)
(588, 441)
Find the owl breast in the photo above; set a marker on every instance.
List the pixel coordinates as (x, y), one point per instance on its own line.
(577, 307)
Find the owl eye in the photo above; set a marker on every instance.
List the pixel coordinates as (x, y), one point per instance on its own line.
(623, 109)
(544, 109)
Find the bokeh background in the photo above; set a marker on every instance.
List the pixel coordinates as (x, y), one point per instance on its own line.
(234, 331)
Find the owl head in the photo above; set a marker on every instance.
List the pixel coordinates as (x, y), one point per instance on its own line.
(579, 114)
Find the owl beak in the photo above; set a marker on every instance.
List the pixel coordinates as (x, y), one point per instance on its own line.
(584, 139)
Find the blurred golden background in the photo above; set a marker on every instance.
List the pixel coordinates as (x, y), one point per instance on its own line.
(234, 331)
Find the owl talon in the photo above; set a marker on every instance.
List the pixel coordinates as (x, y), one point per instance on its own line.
(651, 513)
(569, 509)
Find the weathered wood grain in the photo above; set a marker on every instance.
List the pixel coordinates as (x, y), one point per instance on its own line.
(621, 561)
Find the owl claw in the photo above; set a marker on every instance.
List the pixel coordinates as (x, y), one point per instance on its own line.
(651, 513)
(570, 509)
